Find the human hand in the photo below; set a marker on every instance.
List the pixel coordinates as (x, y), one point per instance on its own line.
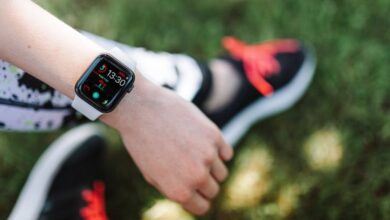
(177, 149)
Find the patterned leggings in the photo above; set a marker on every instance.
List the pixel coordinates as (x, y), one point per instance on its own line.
(27, 104)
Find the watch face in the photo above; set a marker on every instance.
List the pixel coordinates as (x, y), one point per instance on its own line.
(105, 83)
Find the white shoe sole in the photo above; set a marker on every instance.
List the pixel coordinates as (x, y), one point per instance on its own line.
(281, 100)
(33, 195)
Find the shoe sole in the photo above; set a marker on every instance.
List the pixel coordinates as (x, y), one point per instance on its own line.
(280, 101)
(33, 195)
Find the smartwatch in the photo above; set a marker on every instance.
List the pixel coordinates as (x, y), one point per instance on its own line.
(103, 85)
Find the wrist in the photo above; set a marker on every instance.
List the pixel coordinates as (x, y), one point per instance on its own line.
(132, 104)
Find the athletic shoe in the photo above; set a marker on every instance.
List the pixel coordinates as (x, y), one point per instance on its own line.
(274, 75)
(65, 183)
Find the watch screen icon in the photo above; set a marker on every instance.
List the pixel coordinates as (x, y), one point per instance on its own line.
(86, 88)
(95, 95)
(102, 69)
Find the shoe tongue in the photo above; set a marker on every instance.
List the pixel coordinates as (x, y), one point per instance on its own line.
(238, 65)
(205, 88)
(244, 95)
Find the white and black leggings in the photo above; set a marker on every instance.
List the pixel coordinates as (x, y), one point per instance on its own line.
(27, 104)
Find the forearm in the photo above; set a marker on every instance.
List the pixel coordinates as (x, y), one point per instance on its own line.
(55, 53)
(44, 46)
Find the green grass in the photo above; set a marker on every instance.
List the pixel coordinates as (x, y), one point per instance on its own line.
(349, 98)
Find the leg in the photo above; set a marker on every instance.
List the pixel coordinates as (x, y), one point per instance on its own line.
(28, 104)
(234, 91)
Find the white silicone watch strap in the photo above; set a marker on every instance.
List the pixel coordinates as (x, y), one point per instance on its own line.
(86, 109)
(118, 54)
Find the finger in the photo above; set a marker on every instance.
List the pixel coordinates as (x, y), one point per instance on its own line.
(210, 189)
(219, 170)
(197, 205)
(225, 150)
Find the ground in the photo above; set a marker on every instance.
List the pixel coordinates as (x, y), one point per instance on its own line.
(326, 158)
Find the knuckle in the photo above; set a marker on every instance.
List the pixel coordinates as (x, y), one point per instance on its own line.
(210, 156)
(216, 192)
(202, 210)
(181, 196)
(200, 178)
(218, 138)
(218, 135)
(223, 176)
(214, 133)
(213, 194)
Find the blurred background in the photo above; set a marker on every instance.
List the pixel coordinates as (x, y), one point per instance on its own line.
(327, 158)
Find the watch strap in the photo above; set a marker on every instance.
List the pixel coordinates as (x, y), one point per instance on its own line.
(123, 58)
(86, 109)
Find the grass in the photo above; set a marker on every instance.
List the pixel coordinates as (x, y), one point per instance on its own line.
(327, 158)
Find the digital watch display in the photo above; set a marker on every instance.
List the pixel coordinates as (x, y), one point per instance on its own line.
(105, 83)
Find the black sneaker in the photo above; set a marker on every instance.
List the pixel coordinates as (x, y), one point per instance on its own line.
(65, 183)
(274, 75)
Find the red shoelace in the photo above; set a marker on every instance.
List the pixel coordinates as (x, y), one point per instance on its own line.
(95, 209)
(259, 60)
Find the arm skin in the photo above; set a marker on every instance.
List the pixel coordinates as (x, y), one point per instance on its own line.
(184, 162)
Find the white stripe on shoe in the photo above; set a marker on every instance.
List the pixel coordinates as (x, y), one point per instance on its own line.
(33, 195)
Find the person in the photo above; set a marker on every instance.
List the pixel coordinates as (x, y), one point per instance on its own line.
(234, 91)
